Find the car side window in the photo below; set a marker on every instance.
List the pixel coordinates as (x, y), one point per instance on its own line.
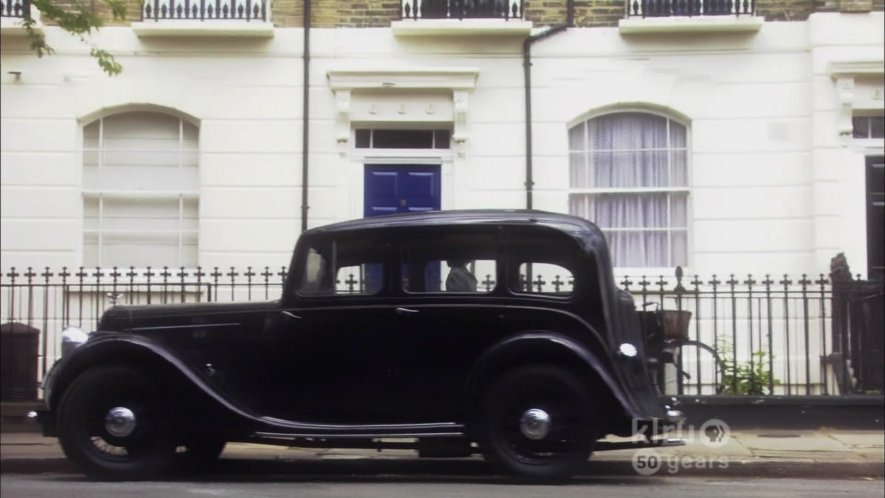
(464, 263)
(342, 268)
(541, 265)
(545, 278)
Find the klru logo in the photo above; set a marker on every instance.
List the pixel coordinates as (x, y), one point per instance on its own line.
(713, 433)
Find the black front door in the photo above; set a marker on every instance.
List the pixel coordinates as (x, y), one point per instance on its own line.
(393, 189)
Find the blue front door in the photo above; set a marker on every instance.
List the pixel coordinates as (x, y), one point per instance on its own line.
(401, 189)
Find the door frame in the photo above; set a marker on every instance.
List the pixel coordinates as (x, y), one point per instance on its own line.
(404, 158)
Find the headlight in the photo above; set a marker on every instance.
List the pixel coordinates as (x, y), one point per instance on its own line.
(628, 350)
(71, 339)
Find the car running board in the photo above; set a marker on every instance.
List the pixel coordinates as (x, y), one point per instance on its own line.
(286, 429)
(634, 445)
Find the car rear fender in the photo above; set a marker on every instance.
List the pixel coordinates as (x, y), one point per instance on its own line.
(554, 348)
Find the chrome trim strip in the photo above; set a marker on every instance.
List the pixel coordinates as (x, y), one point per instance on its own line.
(203, 326)
(279, 435)
(342, 428)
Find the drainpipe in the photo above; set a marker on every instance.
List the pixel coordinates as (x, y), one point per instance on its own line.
(527, 74)
(305, 128)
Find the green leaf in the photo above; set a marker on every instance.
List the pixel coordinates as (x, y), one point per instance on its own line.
(80, 20)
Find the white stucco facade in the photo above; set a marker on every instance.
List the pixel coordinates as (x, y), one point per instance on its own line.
(776, 183)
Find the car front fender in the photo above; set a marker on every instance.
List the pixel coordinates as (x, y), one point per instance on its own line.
(106, 349)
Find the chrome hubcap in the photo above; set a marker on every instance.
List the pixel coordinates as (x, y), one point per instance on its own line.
(535, 424)
(119, 422)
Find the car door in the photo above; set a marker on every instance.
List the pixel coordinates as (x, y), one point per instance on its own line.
(332, 357)
(442, 325)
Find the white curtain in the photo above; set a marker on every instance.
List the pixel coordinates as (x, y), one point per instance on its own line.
(633, 150)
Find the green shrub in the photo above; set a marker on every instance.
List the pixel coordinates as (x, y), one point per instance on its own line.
(750, 378)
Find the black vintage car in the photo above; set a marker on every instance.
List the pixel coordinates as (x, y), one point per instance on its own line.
(493, 332)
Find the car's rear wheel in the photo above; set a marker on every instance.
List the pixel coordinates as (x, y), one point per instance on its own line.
(113, 423)
(538, 422)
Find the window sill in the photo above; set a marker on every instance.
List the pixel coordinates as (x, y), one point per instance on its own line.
(12, 26)
(690, 25)
(202, 29)
(464, 27)
(140, 194)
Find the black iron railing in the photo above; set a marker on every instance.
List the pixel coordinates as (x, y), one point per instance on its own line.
(462, 9)
(738, 334)
(690, 8)
(204, 10)
(742, 334)
(15, 8)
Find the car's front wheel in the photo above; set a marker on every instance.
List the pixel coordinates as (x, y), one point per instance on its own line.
(113, 423)
(538, 422)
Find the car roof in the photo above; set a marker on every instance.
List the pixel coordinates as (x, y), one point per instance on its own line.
(572, 225)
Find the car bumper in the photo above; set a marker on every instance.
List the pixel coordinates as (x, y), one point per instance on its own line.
(46, 420)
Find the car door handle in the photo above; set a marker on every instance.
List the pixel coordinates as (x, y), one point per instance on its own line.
(291, 315)
(405, 311)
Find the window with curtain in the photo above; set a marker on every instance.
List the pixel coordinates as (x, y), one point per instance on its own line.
(140, 191)
(629, 175)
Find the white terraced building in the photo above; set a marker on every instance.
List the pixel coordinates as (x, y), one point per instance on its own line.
(723, 138)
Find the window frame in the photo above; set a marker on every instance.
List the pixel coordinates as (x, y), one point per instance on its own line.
(100, 194)
(596, 191)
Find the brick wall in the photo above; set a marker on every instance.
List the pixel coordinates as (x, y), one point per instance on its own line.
(588, 13)
(287, 13)
(786, 10)
(354, 14)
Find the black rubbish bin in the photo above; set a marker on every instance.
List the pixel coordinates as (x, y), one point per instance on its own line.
(18, 362)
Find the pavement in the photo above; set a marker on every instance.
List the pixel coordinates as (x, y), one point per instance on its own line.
(750, 453)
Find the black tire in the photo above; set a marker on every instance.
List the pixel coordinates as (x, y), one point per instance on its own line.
(145, 451)
(572, 428)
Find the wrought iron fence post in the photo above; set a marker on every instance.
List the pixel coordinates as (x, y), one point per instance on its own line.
(165, 274)
(181, 275)
(131, 274)
(767, 283)
(199, 274)
(216, 274)
(148, 274)
(697, 331)
(80, 275)
(266, 274)
(282, 274)
(805, 321)
(732, 282)
(233, 274)
(822, 281)
(786, 283)
(749, 283)
(97, 294)
(65, 299)
(12, 274)
(249, 274)
(45, 332)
